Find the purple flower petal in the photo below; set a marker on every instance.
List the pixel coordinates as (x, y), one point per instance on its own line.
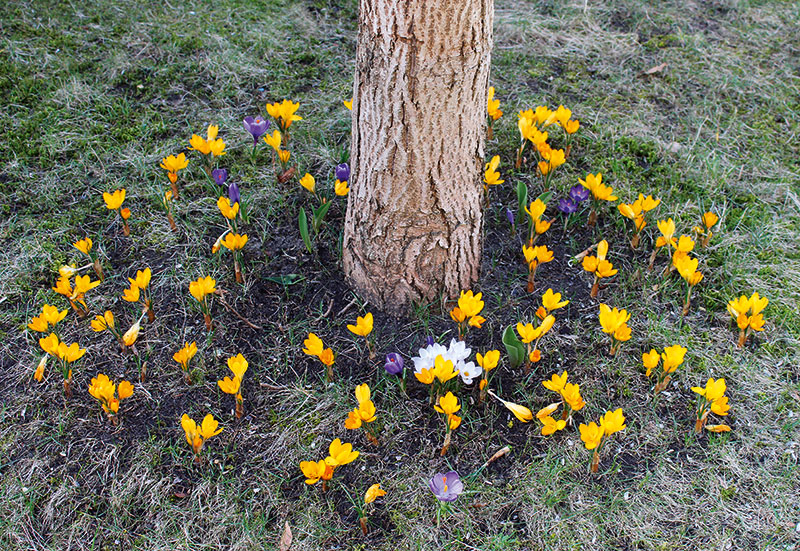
(343, 172)
(233, 193)
(256, 126)
(394, 363)
(219, 175)
(567, 206)
(578, 193)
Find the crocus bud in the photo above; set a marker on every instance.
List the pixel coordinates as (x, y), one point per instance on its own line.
(429, 341)
(219, 175)
(510, 216)
(343, 172)
(233, 193)
(394, 363)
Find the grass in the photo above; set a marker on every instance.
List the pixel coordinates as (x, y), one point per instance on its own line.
(95, 94)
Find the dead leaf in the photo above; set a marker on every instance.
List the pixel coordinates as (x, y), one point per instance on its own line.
(499, 454)
(656, 69)
(286, 539)
(287, 175)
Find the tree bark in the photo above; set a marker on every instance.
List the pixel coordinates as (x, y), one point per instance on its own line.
(414, 221)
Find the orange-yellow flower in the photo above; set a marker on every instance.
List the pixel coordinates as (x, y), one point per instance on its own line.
(234, 241)
(196, 435)
(228, 211)
(363, 326)
(114, 200)
(284, 112)
(493, 105)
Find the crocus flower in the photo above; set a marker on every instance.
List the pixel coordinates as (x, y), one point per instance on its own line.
(233, 193)
(343, 172)
(196, 435)
(466, 313)
(394, 363)
(173, 164)
(373, 493)
(308, 182)
(340, 454)
(510, 216)
(363, 325)
(220, 175)
(284, 112)
(256, 126)
(578, 193)
(567, 206)
(109, 395)
(447, 486)
(739, 308)
(184, 356)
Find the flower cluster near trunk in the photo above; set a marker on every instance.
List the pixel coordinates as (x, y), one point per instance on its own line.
(459, 376)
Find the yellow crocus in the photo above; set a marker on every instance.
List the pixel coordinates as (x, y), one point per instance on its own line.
(340, 454)
(234, 241)
(274, 140)
(313, 345)
(196, 435)
(308, 182)
(488, 361)
(284, 112)
(373, 493)
(591, 435)
(201, 287)
(114, 200)
(556, 382)
(340, 188)
(238, 365)
(493, 105)
(363, 326)
(84, 245)
(316, 470)
(228, 211)
(612, 421)
(185, 354)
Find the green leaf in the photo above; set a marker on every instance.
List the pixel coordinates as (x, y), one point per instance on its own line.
(302, 221)
(545, 197)
(288, 279)
(319, 215)
(514, 347)
(522, 196)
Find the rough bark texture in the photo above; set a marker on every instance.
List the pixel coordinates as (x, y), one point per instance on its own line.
(414, 219)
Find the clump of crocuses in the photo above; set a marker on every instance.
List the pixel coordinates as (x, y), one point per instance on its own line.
(599, 266)
(339, 454)
(364, 414)
(466, 314)
(196, 435)
(313, 346)
(671, 358)
(711, 399)
(109, 395)
(238, 366)
(748, 316)
(595, 436)
(615, 323)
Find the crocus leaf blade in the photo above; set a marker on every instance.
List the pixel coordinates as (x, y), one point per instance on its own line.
(514, 347)
(302, 222)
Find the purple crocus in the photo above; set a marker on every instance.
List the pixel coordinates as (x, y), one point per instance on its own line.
(233, 193)
(447, 486)
(567, 206)
(220, 175)
(394, 363)
(343, 172)
(429, 341)
(256, 126)
(578, 193)
(510, 216)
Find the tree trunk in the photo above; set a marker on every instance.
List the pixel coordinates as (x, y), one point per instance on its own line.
(414, 220)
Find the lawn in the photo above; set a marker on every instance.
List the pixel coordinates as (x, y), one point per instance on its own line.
(697, 104)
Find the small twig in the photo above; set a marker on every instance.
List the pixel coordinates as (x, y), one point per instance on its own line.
(347, 307)
(235, 313)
